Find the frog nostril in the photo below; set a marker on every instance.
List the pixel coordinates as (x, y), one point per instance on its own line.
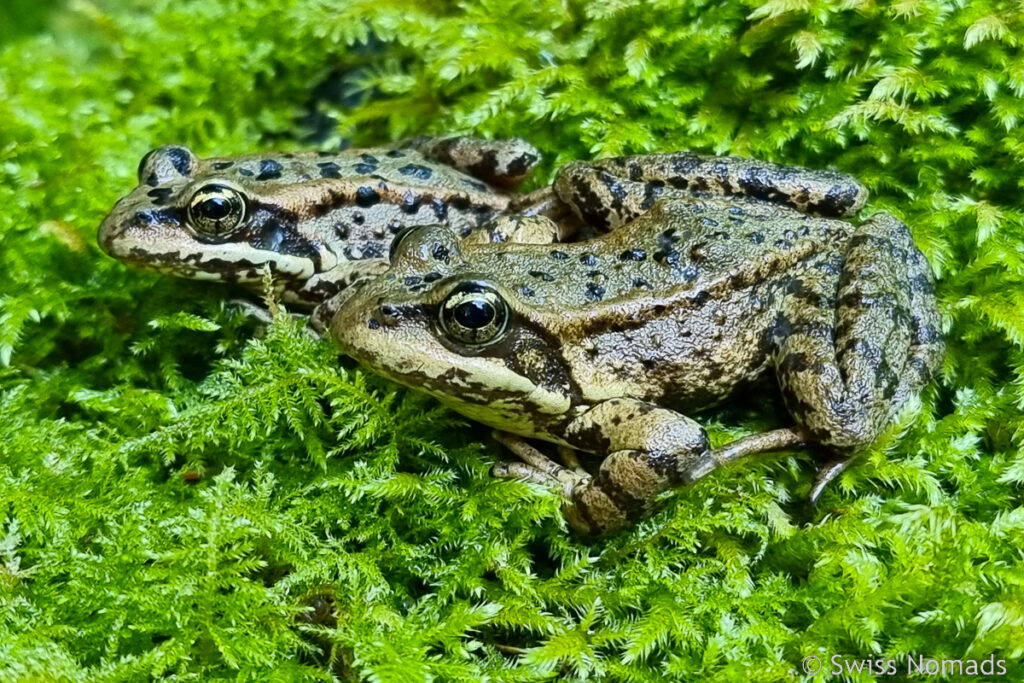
(389, 314)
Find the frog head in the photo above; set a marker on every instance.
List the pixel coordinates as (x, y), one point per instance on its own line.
(440, 319)
(212, 219)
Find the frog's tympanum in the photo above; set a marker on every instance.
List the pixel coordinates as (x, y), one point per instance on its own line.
(715, 271)
(317, 221)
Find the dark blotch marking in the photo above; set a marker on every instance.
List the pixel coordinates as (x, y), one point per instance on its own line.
(559, 255)
(520, 165)
(412, 280)
(440, 252)
(364, 168)
(460, 202)
(221, 165)
(269, 170)
(367, 197)
(594, 291)
(410, 203)
(329, 169)
(652, 191)
(181, 160)
(475, 184)
(274, 229)
(440, 208)
(395, 153)
(373, 324)
(588, 259)
(641, 283)
(160, 195)
(432, 276)
(633, 255)
(246, 172)
(417, 171)
(525, 291)
(546, 277)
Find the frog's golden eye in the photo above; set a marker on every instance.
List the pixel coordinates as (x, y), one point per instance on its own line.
(216, 211)
(474, 314)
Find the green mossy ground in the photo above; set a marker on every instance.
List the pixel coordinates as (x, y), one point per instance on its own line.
(178, 486)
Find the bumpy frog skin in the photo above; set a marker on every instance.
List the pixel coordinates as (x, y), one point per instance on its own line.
(605, 345)
(317, 221)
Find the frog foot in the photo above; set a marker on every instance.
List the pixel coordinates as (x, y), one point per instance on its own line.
(535, 466)
(827, 473)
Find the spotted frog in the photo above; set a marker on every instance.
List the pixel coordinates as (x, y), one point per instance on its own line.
(715, 271)
(317, 221)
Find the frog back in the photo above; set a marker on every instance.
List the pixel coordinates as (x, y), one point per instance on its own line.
(676, 307)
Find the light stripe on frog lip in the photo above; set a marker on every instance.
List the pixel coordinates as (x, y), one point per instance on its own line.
(215, 262)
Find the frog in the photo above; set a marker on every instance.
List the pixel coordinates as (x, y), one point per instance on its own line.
(711, 274)
(314, 220)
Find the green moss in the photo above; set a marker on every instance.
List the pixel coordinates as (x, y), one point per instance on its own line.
(175, 491)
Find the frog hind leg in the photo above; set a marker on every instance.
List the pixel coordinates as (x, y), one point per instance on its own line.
(502, 163)
(612, 192)
(847, 357)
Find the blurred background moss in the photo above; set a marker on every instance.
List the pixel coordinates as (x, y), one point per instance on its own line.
(186, 495)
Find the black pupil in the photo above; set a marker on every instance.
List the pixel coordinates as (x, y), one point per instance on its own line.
(474, 314)
(215, 208)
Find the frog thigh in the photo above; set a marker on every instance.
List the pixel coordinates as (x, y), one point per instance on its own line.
(611, 192)
(648, 450)
(504, 163)
(846, 358)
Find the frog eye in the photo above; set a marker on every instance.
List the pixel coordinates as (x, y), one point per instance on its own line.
(474, 314)
(215, 211)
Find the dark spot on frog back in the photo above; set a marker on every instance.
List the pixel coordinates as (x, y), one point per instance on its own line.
(329, 169)
(416, 171)
(410, 202)
(367, 197)
(633, 255)
(270, 170)
(594, 292)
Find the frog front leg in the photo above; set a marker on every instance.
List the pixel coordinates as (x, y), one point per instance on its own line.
(608, 193)
(647, 450)
(847, 357)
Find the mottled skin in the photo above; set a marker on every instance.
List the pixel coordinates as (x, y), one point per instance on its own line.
(316, 220)
(605, 345)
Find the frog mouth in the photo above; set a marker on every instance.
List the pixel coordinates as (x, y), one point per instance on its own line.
(230, 265)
